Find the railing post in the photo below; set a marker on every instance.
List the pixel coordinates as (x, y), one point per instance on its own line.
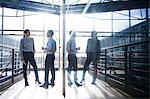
(130, 65)
(126, 65)
(105, 64)
(13, 59)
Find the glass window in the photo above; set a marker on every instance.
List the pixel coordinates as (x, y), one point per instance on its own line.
(17, 33)
(11, 41)
(13, 12)
(138, 13)
(13, 19)
(137, 16)
(89, 22)
(120, 20)
(148, 12)
(81, 23)
(0, 18)
(121, 15)
(51, 22)
(34, 21)
(41, 21)
(119, 25)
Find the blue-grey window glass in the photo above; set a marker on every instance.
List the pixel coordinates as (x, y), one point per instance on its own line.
(0, 18)
(137, 16)
(120, 20)
(148, 12)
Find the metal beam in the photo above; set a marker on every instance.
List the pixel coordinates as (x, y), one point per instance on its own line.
(110, 6)
(31, 6)
(78, 8)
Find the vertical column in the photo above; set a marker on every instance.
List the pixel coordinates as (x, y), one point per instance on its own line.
(1, 59)
(13, 59)
(2, 22)
(23, 20)
(130, 25)
(105, 64)
(64, 41)
(126, 65)
(59, 44)
(129, 66)
(112, 30)
(147, 25)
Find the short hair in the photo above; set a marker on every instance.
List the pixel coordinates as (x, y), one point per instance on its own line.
(93, 32)
(26, 30)
(51, 32)
(70, 32)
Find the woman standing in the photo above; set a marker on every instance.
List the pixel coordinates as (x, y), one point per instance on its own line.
(27, 49)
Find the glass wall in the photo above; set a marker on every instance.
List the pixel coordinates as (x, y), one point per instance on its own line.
(0, 18)
(106, 24)
(15, 21)
(115, 28)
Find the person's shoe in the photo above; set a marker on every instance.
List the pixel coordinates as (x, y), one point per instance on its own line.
(78, 85)
(26, 84)
(44, 86)
(70, 83)
(37, 81)
(93, 83)
(52, 84)
(82, 81)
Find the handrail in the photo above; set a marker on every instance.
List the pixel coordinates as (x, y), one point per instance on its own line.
(5, 46)
(125, 45)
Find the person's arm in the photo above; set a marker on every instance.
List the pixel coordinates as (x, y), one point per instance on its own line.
(87, 45)
(33, 45)
(21, 45)
(21, 49)
(98, 49)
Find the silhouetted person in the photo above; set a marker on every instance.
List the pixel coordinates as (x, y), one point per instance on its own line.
(50, 57)
(93, 55)
(27, 49)
(72, 59)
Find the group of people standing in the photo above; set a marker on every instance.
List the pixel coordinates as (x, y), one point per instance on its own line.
(27, 51)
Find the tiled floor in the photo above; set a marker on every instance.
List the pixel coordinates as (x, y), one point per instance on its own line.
(87, 91)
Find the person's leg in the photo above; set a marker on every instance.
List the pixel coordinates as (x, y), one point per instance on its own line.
(25, 63)
(52, 58)
(95, 68)
(47, 64)
(69, 69)
(33, 63)
(75, 69)
(86, 65)
(74, 60)
(46, 83)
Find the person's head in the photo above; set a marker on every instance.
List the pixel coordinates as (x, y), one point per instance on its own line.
(70, 32)
(50, 33)
(26, 33)
(94, 34)
(73, 34)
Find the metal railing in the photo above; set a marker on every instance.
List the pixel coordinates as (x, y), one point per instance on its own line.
(10, 66)
(126, 65)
